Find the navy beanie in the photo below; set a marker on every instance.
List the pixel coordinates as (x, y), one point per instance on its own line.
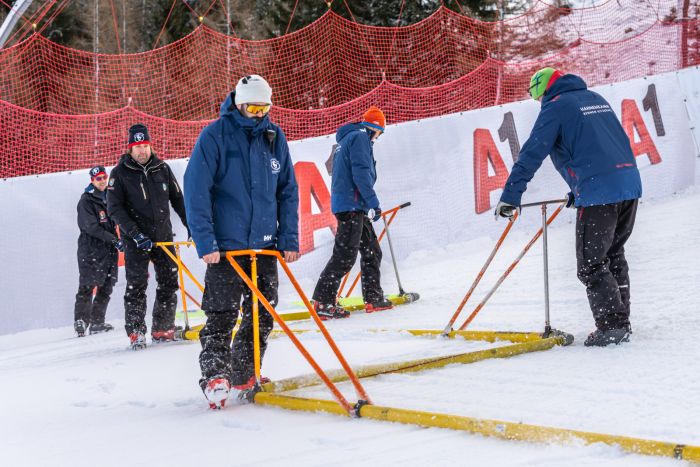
(138, 134)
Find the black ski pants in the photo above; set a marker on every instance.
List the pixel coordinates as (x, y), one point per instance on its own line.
(355, 233)
(92, 310)
(223, 291)
(137, 282)
(601, 233)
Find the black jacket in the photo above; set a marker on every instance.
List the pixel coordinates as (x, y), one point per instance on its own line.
(138, 198)
(97, 256)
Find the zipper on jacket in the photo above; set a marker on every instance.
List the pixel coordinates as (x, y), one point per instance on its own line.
(143, 190)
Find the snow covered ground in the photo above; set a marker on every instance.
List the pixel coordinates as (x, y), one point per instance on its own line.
(82, 402)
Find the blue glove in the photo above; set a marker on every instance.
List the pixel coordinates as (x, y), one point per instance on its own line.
(506, 210)
(570, 200)
(143, 242)
(118, 244)
(375, 214)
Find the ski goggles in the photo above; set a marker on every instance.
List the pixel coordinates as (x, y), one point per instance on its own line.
(100, 178)
(255, 108)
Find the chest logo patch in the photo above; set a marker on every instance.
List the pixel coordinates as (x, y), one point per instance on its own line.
(165, 187)
(111, 182)
(275, 166)
(103, 216)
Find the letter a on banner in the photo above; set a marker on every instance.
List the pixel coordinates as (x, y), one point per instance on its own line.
(311, 185)
(485, 153)
(632, 122)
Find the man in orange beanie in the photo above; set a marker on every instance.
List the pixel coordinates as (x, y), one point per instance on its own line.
(356, 206)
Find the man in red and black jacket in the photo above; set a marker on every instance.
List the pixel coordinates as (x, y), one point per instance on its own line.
(97, 256)
(140, 192)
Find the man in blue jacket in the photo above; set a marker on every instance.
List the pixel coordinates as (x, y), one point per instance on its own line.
(356, 206)
(591, 151)
(240, 193)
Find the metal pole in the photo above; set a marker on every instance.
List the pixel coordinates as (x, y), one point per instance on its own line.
(11, 19)
(393, 258)
(181, 281)
(256, 318)
(547, 326)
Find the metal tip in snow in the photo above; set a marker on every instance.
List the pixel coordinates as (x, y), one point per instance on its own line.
(567, 339)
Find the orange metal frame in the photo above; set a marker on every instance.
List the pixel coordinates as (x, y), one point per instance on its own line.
(391, 213)
(509, 270)
(180, 269)
(479, 276)
(252, 284)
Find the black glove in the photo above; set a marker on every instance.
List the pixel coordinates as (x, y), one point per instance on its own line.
(570, 200)
(118, 243)
(506, 210)
(375, 214)
(143, 242)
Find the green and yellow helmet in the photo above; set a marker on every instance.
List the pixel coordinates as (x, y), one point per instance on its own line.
(542, 80)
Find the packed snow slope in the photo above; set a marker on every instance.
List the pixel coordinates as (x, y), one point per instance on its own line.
(83, 402)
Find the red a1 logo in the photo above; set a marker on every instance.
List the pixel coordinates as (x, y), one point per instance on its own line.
(312, 186)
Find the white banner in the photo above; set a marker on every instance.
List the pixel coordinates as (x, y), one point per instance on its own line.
(450, 168)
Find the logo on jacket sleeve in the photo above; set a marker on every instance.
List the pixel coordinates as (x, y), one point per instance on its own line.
(165, 187)
(103, 216)
(111, 182)
(275, 166)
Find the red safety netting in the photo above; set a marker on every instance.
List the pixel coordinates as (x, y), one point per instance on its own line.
(63, 109)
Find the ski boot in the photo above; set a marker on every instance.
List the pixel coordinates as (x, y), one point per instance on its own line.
(383, 304)
(171, 335)
(247, 391)
(599, 338)
(216, 391)
(327, 311)
(138, 340)
(80, 327)
(98, 328)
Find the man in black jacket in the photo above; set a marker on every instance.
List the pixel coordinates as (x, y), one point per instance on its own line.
(97, 256)
(141, 189)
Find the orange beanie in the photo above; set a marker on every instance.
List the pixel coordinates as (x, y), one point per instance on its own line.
(374, 118)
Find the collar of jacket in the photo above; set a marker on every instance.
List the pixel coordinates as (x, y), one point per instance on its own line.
(153, 163)
(101, 195)
(564, 84)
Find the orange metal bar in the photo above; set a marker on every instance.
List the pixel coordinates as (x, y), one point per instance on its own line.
(194, 300)
(256, 318)
(379, 239)
(181, 283)
(486, 265)
(231, 258)
(179, 263)
(510, 268)
(351, 374)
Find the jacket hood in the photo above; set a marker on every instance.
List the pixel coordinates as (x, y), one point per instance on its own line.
(347, 128)
(564, 84)
(228, 106)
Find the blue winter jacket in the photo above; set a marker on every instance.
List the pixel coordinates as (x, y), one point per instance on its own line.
(354, 171)
(240, 189)
(587, 144)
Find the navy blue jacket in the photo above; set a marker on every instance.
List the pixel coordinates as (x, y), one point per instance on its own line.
(354, 171)
(240, 189)
(587, 144)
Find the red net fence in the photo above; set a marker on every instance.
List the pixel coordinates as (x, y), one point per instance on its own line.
(65, 109)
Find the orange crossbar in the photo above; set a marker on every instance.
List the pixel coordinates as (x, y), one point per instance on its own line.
(331, 386)
(391, 213)
(510, 268)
